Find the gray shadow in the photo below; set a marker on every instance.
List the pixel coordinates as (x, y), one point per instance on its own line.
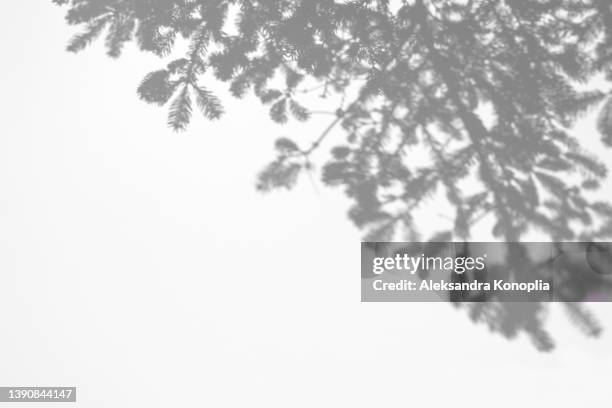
(414, 78)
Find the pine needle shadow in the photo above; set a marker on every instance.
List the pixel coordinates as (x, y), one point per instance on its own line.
(484, 92)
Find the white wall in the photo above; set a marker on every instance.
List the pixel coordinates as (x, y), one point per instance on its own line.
(142, 267)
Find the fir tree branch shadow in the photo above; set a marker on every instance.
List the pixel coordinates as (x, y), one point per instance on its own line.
(414, 78)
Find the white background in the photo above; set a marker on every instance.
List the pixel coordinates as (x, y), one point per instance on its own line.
(141, 265)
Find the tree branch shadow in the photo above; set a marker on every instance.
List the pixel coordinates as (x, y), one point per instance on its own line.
(413, 79)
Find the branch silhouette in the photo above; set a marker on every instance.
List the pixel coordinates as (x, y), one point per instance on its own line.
(413, 76)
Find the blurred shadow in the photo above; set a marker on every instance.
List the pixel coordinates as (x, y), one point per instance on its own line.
(463, 102)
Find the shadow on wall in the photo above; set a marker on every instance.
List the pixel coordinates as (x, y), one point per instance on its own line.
(412, 77)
